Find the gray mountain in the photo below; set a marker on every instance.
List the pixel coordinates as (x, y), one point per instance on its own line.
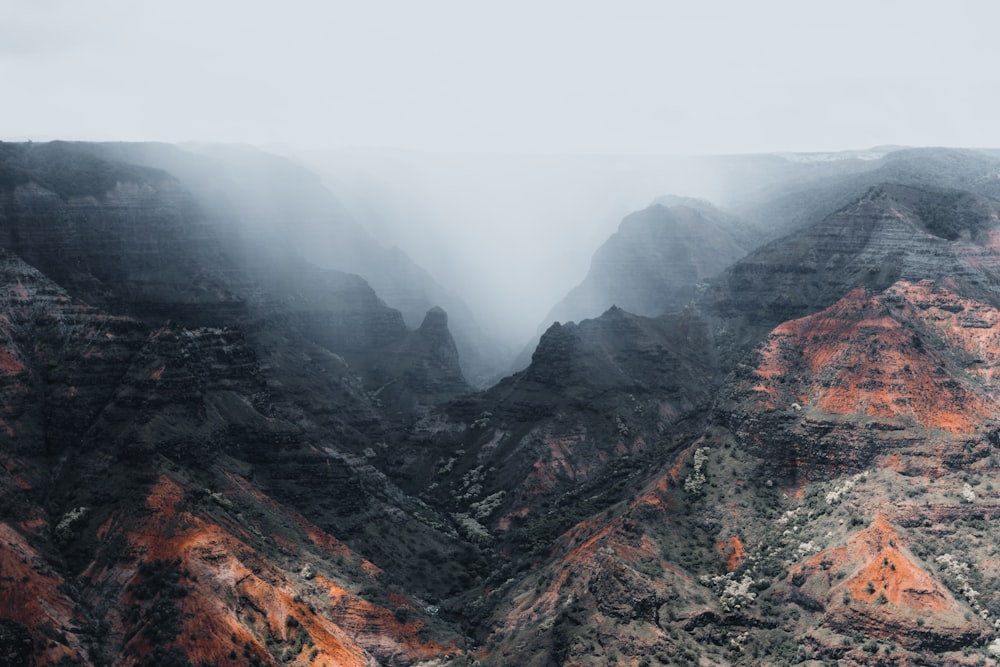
(283, 204)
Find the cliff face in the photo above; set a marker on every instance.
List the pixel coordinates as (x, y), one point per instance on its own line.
(893, 232)
(801, 199)
(267, 200)
(905, 373)
(138, 243)
(596, 395)
(835, 507)
(172, 416)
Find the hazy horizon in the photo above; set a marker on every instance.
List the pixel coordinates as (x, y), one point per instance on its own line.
(510, 234)
(431, 88)
(639, 77)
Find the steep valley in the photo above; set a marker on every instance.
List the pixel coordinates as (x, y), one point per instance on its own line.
(215, 452)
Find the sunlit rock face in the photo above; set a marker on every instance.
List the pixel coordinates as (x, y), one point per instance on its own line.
(874, 585)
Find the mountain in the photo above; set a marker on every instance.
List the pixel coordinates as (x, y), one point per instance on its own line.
(184, 431)
(133, 531)
(596, 394)
(654, 264)
(892, 232)
(281, 203)
(655, 260)
(875, 375)
(216, 452)
(808, 192)
(832, 506)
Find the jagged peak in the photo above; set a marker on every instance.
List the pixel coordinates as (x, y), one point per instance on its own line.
(877, 536)
(671, 212)
(436, 318)
(614, 311)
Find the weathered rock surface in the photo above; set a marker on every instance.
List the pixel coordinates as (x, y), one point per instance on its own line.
(894, 232)
(157, 450)
(211, 452)
(907, 372)
(595, 393)
(263, 200)
(874, 586)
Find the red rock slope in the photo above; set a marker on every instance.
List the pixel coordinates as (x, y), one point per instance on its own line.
(908, 371)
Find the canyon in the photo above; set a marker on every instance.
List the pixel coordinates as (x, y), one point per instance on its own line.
(764, 433)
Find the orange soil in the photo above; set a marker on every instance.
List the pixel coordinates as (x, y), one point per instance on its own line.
(900, 581)
(675, 471)
(31, 596)
(884, 574)
(734, 552)
(594, 541)
(559, 449)
(857, 357)
(165, 496)
(358, 616)
(235, 592)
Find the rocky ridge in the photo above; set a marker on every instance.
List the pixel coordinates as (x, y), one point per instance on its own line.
(158, 472)
(885, 387)
(285, 473)
(904, 373)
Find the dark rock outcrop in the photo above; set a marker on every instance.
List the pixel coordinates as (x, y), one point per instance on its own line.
(213, 452)
(595, 394)
(171, 398)
(268, 200)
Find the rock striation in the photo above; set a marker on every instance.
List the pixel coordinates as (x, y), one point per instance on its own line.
(907, 372)
(212, 452)
(893, 232)
(173, 414)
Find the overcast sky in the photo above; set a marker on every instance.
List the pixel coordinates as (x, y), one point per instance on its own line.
(515, 76)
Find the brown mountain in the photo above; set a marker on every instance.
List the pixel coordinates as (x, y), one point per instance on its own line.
(837, 508)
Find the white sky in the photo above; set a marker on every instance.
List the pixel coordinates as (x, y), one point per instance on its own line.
(573, 76)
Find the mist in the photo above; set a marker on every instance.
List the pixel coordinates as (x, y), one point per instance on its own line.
(499, 145)
(510, 234)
